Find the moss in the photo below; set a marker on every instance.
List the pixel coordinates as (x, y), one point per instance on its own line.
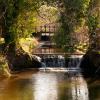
(4, 70)
(28, 44)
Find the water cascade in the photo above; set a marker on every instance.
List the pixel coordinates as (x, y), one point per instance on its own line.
(51, 57)
(59, 63)
(53, 61)
(73, 63)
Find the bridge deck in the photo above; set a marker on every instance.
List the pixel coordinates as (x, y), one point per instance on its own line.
(59, 54)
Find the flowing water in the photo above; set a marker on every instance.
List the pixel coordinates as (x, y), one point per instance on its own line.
(36, 85)
(53, 83)
(53, 61)
(58, 63)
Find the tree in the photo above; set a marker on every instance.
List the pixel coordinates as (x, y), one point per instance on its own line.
(72, 17)
(48, 14)
(12, 12)
(91, 60)
(93, 20)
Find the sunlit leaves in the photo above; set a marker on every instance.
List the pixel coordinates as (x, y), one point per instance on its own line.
(20, 17)
(48, 13)
(25, 23)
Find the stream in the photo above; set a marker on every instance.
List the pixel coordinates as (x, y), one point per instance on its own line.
(47, 85)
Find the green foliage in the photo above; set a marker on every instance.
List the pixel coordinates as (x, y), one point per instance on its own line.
(82, 47)
(15, 13)
(75, 10)
(28, 44)
(93, 22)
(24, 24)
(72, 16)
(93, 15)
(48, 13)
(12, 10)
(20, 17)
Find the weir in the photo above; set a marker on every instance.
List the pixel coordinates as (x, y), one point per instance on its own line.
(60, 62)
(51, 57)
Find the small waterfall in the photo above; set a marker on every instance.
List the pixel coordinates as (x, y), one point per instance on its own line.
(74, 61)
(58, 63)
(53, 61)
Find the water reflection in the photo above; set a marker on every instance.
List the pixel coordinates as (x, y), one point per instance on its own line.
(79, 89)
(94, 90)
(48, 86)
(45, 87)
(58, 86)
(16, 90)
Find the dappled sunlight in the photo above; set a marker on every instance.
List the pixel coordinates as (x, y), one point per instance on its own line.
(28, 44)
